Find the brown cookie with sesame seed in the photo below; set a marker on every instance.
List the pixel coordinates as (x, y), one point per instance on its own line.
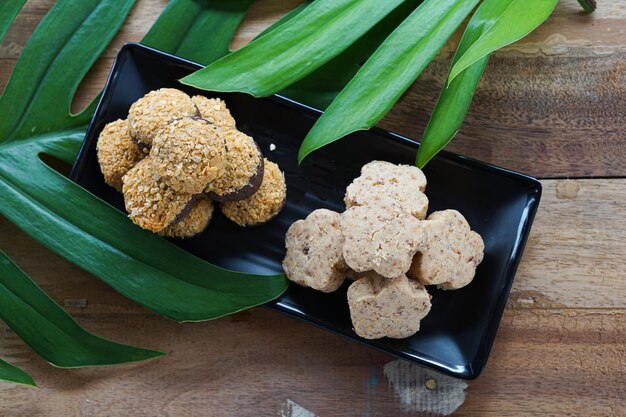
(189, 154)
(264, 204)
(150, 202)
(194, 222)
(155, 110)
(382, 307)
(380, 180)
(243, 169)
(381, 237)
(452, 253)
(117, 153)
(314, 252)
(215, 111)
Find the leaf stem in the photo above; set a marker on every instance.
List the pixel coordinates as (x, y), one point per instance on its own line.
(588, 5)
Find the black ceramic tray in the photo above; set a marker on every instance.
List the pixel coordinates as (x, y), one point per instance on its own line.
(457, 335)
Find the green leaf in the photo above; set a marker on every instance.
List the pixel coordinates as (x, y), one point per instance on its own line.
(455, 99)
(50, 331)
(198, 30)
(87, 231)
(388, 72)
(66, 43)
(8, 11)
(517, 20)
(12, 373)
(294, 49)
(320, 88)
(588, 5)
(102, 240)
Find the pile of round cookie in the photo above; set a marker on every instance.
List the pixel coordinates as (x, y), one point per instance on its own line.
(176, 154)
(384, 242)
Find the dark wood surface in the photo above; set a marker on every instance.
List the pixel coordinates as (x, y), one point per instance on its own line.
(551, 105)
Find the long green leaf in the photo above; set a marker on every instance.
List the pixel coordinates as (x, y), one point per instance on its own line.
(516, 21)
(8, 12)
(389, 72)
(12, 373)
(90, 233)
(320, 88)
(198, 30)
(50, 331)
(66, 43)
(294, 49)
(455, 99)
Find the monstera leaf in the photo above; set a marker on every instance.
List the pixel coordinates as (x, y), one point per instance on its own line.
(74, 223)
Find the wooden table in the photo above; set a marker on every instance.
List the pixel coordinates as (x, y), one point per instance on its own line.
(551, 105)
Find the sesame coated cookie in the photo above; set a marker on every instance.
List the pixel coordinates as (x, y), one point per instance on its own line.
(381, 237)
(193, 222)
(150, 202)
(314, 251)
(117, 152)
(157, 109)
(215, 111)
(452, 253)
(243, 169)
(189, 154)
(263, 205)
(382, 307)
(380, 180)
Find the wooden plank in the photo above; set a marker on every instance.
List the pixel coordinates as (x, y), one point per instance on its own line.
(549, 105)
(576, 251)
(521, 118)
(573, 259)
(567, 29)
(556, 362)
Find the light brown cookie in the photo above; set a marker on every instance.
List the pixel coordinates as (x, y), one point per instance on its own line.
(192, 223)
(150, 203)
(263, 205)
(215, 111)
(189, 154)
(156, 109)
(382, 307)
(314, 252)
(452, 253)
(117, 153)
(380, 237)
(380, 180)
(243, 169)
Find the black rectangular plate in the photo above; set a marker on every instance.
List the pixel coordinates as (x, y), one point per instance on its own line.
(457, 335)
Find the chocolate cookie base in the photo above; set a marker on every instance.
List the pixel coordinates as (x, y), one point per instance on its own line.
(247, 190)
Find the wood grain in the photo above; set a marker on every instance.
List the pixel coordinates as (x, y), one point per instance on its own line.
(550, 105)
(576, 251)
(544, 363)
